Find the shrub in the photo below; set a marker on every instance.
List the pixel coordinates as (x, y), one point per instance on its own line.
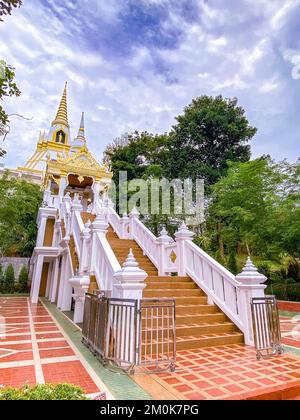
(9, 280)
(44, 392)
(293, 269)
(286, 291)
(23, 280)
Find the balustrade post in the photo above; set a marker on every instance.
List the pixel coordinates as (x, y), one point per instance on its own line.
(161, 241)
(98, 227)
(76, 206)
(133, 215)
(250, 286)
(183, 235)
(125, 226)
(85, 237)
(130, 279)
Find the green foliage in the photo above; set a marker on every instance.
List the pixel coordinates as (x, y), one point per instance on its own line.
(6, 7)
(43, 393)
(211, 132)
(1, 278)
(253, 204)
(22, 285)
(20, 201)
(232, 262)
(9, 280)
(285, 291)
(7, 88)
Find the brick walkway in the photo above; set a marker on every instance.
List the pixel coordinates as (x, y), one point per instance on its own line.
(34, 349)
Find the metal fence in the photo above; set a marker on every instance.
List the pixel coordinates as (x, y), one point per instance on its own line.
(266, 327)
(157, 333)
(129, 332)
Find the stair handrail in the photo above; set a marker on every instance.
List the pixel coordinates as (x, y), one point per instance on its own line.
(105, 263)
(215, 280)
(78, 227)
(115, 221)
(144, 238)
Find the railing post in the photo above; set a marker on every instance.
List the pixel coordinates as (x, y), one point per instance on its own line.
(76, 206)
(130, 279)
(183, 235)
(125, 226)
(251, 285)
(161, 241)
(99, 226)
(85, 237)
(133, 215)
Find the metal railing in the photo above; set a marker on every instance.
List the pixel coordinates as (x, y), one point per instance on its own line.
(157, 333)
(129, 333)
(266, 327)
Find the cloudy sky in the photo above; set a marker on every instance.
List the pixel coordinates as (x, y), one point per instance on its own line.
(135, 64)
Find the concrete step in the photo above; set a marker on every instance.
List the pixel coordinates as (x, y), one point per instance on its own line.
(189, 319)
(192, 300)
(209, 340)
(172, 279)
(188, 331)
(171, 285)
(190, 309)
(173, 293)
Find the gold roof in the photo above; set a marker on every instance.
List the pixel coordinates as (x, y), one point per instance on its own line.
(62, 113)
(79, 163)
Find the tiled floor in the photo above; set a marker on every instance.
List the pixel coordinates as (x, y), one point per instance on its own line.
(232, 372)
(228, 372)
(33, 349)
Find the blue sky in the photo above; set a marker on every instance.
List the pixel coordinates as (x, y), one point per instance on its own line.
(135, 64)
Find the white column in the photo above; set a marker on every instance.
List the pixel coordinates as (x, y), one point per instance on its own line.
(81, 285)
(251, 286)
(49, 279)
(161, 241)
(41, 231)
(36, 280)
(182, 236)
(55, 273)
(130, 280)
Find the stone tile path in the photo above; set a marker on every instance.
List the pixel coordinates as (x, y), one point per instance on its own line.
(34, 349)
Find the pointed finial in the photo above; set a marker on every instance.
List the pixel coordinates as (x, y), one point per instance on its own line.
(250, 274)
(130, 260)
(62, 113)
(81, 134)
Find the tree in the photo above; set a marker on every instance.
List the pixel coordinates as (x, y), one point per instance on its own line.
(1, 278)
(9, 280)
(20, 201)
(7, 88)
(211, 132)
(6, 7)
(23, 280)
(255, 208)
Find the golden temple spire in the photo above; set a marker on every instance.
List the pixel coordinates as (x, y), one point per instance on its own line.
(81, 134)
(62, 113)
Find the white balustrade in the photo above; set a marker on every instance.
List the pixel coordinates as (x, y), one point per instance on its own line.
(215, 280)
(145, 239)
(78, 227)
(105, 263)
